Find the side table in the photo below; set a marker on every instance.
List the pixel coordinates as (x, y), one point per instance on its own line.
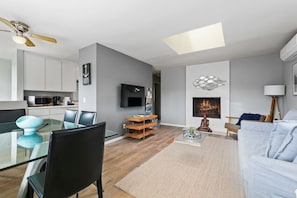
(140, 126)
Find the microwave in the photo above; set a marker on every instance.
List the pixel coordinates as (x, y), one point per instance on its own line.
(34, 101)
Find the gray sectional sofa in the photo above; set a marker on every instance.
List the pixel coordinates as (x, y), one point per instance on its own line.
(268, 157)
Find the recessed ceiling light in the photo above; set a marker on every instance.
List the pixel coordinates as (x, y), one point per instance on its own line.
(204, 38)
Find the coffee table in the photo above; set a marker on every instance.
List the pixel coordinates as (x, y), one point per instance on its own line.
(194, 142)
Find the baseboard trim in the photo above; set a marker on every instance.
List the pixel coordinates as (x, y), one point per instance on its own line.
(176, 125)
(114, 140)
(219, 133)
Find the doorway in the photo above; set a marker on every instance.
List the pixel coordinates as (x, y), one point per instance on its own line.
(157, 94)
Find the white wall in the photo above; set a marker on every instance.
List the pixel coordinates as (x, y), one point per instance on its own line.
(220, 70)
(173, 96)
(290, 100)
(5, 80)
(88, 93)
(12, 78)
(247, 79)
(18, 76)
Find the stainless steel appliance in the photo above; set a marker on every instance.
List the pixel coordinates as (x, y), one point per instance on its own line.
(34, 101)
(56, 100)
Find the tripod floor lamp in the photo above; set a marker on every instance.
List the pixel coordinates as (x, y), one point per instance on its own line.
(274, 91)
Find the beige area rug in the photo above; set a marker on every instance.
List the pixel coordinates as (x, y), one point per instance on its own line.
(181, 170)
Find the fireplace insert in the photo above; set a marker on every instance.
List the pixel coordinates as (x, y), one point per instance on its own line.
(211, 107)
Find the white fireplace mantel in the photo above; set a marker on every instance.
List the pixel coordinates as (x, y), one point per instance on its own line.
(219, 69)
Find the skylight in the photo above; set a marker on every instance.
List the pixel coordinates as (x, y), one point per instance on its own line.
(207, 37)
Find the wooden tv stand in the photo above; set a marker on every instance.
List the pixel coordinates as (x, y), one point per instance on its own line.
(140, 126)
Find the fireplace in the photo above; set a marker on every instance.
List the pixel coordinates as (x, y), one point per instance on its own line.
(211, 107)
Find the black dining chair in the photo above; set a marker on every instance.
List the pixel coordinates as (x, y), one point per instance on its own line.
(11, 115)
(74, 162)
(87, 118)
(70, 115)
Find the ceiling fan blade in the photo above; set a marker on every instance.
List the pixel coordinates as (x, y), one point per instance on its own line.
(8, 24)
(45, 38)
(4, 30)
(29, 43)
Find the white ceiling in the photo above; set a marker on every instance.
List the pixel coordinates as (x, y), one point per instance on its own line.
(136, 27)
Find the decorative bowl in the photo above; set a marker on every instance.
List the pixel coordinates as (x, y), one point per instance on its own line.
(29, 124)
(191, 133)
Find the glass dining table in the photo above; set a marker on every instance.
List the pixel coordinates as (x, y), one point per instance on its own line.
(12, 154)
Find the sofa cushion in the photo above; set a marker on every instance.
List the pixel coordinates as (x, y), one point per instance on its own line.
(291, 114)
(288, 150)
(250, 143)
(277, 136)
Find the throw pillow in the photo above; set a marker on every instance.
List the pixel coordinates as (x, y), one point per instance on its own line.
(248, 116)
(288, 150)
(291, 114)
(278, 134)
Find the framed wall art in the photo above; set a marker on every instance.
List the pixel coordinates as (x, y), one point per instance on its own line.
(86, 74)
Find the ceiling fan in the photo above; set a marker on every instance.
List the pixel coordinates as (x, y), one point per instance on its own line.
(22, 32)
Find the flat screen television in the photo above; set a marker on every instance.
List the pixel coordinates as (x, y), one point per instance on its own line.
(132, 96)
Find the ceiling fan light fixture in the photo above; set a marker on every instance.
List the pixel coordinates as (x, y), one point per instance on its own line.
(19, 39)
(22, 33)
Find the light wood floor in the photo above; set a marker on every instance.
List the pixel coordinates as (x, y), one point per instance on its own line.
(120, 158)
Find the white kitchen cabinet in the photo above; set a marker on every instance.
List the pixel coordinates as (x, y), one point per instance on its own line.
(34, 71)
(68, 76)
(39, 112)
(53, 74)
(48, 74)
(57, 113)
(53, 112)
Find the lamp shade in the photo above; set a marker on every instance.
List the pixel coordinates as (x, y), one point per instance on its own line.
(274, 90)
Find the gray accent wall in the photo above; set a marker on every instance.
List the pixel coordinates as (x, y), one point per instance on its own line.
(247, 79)
(110, 68)
(88, 93)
